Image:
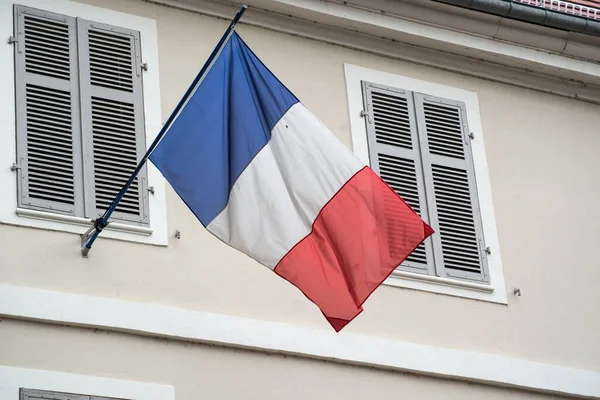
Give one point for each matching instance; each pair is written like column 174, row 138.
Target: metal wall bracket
column 84, row 239
column 98, row 227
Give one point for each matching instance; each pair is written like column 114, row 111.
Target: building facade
column 488, row 126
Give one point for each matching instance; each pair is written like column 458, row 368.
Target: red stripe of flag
column 361, row 235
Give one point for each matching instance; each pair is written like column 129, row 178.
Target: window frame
column 15, row 378
column 34, row 394
column 495, row 291
column 10, row 213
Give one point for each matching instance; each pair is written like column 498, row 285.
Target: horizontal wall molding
column 422, row 44
column 19, row 302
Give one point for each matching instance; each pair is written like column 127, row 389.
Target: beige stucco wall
column 208, row 372
column 542, row 155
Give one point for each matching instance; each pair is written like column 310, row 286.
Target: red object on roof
column 581, row 8
column 591, row 3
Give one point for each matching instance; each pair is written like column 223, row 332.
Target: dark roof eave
column 532, row 14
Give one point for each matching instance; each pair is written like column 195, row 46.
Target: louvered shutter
column 48, row 141
column 394, row 154
column 32, row 394
column 112, row 119
column 451, row 188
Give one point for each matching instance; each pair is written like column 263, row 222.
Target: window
column 31, row 394
column 79, row 116
column 426, row 140
column 420, row 145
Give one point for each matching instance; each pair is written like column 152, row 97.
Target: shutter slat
column 33, row 99
column 52, row 153
column 443, row 125
column 117, row 61
column 110, row 75
column 47, row 166
column 47, row 35
column 105, row 142
column 47, row 93
column 57, row 45
column 45, row 24
column 391, row 118
column 41, row 128
column 44, row 115
column 57, row 142
column 45, row 175
column 447, row 115
column 396, row 122
column 116, row 119
column 113, row 153
column 56, row 63
column 38, row 32
column 58, row 152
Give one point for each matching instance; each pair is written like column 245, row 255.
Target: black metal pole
column 100, row 223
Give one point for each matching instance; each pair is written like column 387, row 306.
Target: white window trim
column 495, row 292
column 156, row 233
column 12, row 379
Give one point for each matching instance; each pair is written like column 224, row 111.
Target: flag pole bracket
column 95, row 229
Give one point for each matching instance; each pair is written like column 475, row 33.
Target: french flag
column 265, row 176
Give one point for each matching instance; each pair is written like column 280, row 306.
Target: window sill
column 451, row 287
column 114, row 226
column 77, row 225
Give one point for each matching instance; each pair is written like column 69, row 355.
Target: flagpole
column 88, row 238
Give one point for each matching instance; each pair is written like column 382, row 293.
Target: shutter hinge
column 488, row 250
column 13, row 40
column 15, row 167
column 144, row 66
column 151, row 189
column 471, row 135
column 365, row 114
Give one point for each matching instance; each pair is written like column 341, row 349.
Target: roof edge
column 532, row 14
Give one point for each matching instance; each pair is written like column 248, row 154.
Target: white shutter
column 451, row 188
column 394, row 154
column 112, row 119
column 48, row 141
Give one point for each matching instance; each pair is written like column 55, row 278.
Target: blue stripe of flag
column 226, row 122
